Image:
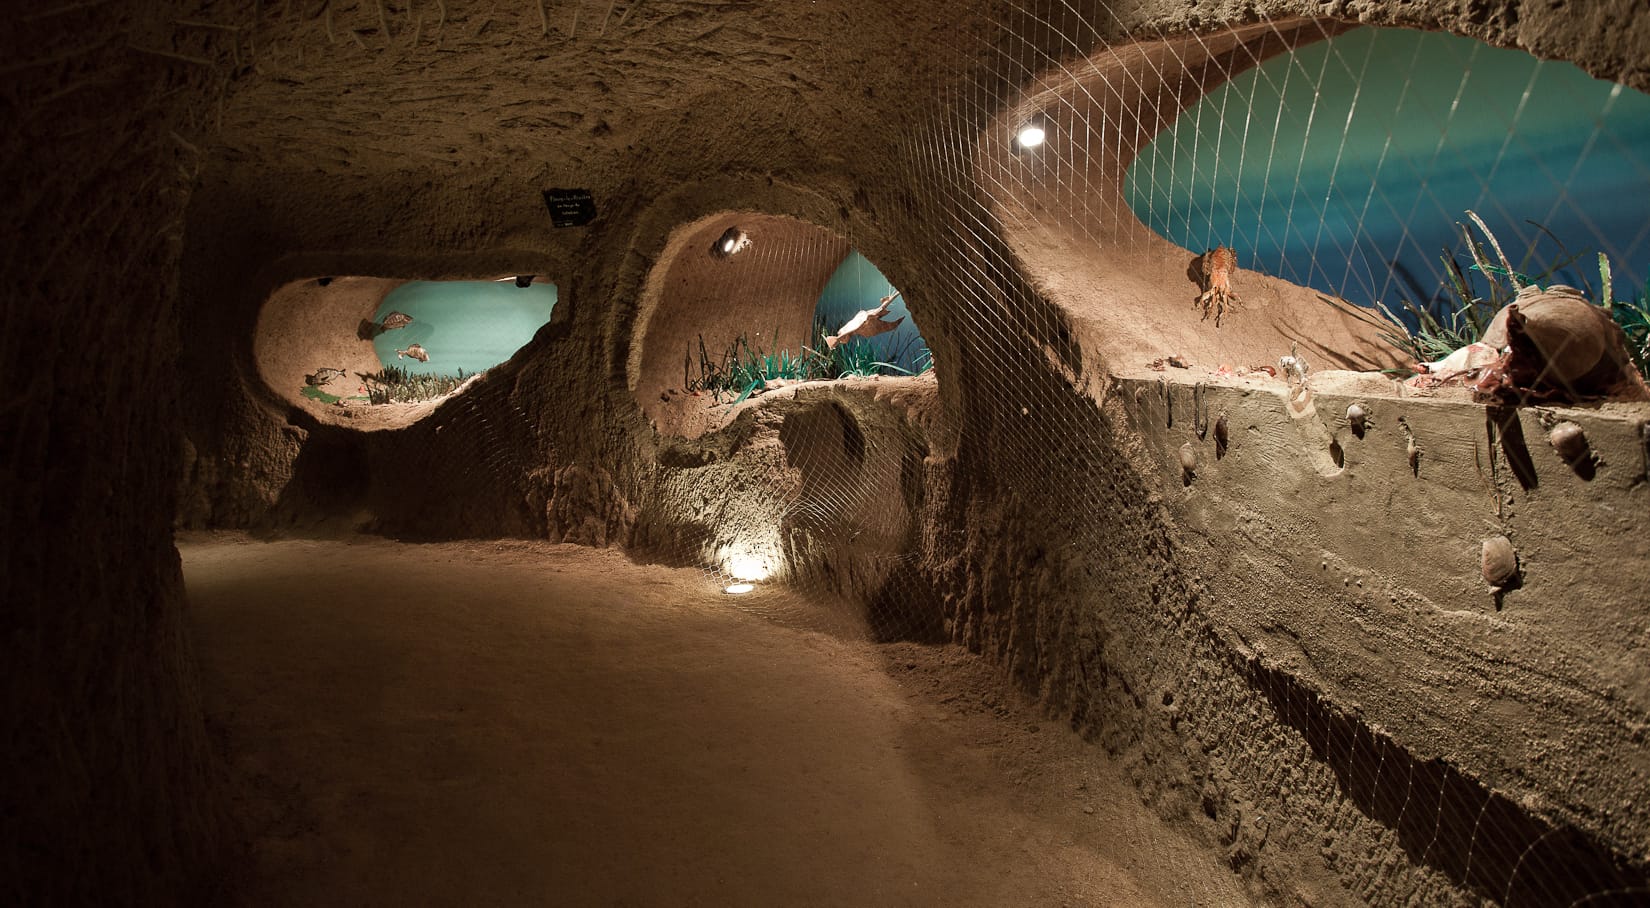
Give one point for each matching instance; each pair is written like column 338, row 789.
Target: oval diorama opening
column 382, row 352
column 747, row 305
column 1425, row 175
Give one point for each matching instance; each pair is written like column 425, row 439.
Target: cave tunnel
column 662, row 452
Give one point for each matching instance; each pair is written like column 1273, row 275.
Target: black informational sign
column 570, row 207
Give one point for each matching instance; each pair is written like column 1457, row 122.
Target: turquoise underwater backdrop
column 1346, row 166
column 857, row 284
column 468, row 325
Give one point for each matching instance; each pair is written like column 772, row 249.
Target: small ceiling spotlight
column 1030, row 135
column 739, row 589
column 524, row 280
column 731, row 241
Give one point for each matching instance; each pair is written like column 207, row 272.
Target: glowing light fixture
column 732, row 240
column 739, row 589
column 747, row 567
column 1030, row 136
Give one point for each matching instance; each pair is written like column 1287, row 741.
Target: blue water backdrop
column 1347, row 164
column 856, row 285
column 469, row 325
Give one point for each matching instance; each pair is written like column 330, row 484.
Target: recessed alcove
column 759, row 293
column 1361, row 159
column 377, row 353
column 1343, row 169
column 1127, row 290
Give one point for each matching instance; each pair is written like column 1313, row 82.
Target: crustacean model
column 867, row 323
column 1218, row 265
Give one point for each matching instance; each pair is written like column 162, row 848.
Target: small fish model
column 867, row 323
column 322, row 376
column 395, row 320
column 416, row 351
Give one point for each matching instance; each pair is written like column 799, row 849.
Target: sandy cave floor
column 511, row 723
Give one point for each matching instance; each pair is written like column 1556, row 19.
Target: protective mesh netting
column 1345, row 160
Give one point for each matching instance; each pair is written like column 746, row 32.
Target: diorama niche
column 1246, row 200
column 744, row 306
column 382, row 352
column 1390, row 169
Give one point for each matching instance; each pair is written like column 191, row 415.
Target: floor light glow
column 740, row 588
column 747, row 568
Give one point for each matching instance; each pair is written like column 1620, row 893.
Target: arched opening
column 375, row 353
column 1385, row 167
column 1229, row 199
column 1128, row 291
column 743, row 306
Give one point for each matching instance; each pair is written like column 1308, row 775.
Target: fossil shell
column 1188, row 458
column 1222, row 439
column 1500, row 562
column 1569, row 441
column 1358, row 419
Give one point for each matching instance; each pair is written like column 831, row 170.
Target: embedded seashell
column 1413, row 451
column 1569, row 441
column 1188, row 458
column 1222, row 439
column 1500, row 562
column 1357, row 419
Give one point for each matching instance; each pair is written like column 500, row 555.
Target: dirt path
column 525, row 724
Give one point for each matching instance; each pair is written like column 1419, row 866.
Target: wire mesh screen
column 1348, row 163
column 1424, row 174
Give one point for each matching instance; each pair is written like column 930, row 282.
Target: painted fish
column 867, row 323
column 322, row 376
column 395, row 320
column 416, row 351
